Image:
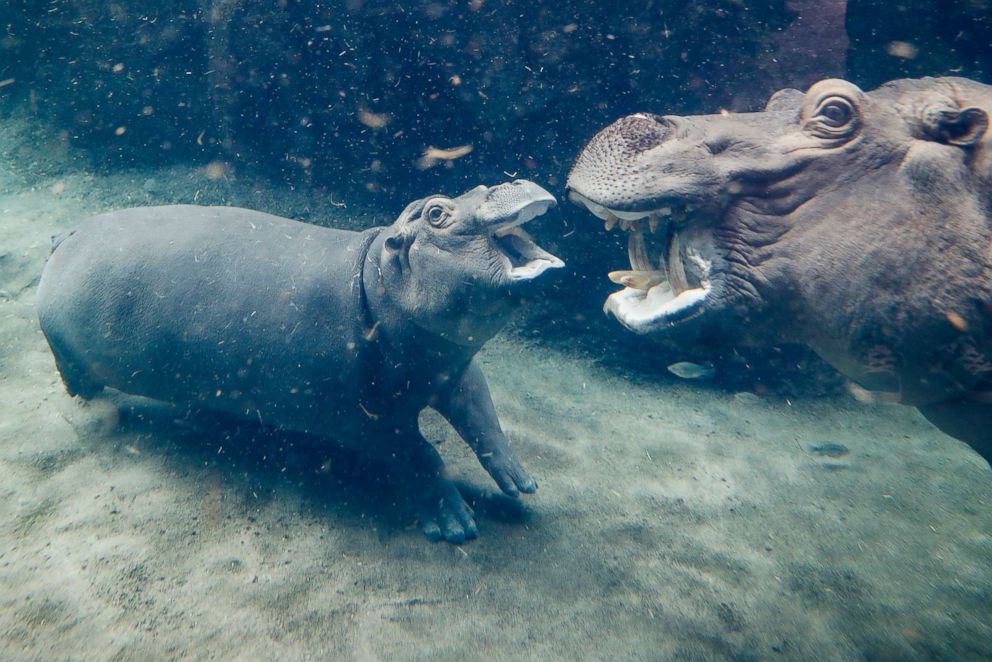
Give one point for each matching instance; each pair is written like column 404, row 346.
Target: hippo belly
column 231, row 309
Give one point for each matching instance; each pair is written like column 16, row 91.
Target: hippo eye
column 835, row 112
column 437, row 215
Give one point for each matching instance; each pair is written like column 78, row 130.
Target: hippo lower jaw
column 654, row 296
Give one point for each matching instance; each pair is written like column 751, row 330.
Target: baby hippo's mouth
column 657, row 293
column 518, row 203
column 526, row 259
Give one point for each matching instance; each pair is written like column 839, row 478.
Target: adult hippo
column 342, row 335
column 858, row 223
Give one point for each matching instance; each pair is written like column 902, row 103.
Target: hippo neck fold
column 365, row 319
column 390, row 322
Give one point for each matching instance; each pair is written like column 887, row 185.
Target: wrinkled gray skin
column 858, row 223
column 342, row 335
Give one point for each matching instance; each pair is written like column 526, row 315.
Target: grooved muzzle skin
column 605, row 160
column 604, row 165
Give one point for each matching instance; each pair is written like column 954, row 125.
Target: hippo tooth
column 637, row 252
column 676, row 270
column 665, row 211
column 624, row 224
column 653, row 222
column 611, row 222
column 638, row 280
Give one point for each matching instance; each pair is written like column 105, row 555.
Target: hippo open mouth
column 525, row 259
column 658, row 291
column 508, row 207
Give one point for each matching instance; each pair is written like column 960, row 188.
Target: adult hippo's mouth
column 667, row 288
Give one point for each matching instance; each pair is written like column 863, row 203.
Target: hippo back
column 234, row 309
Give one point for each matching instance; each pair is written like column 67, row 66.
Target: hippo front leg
column 441, row 509
column 469, row 408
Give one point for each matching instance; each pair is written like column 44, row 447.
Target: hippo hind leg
column 76, row 378
column 965, row 419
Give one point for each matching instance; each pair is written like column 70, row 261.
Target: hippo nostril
column 718, row 145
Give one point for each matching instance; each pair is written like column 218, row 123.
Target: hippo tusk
column 637, row 250
column 676, row 270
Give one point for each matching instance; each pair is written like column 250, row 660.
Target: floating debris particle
column 120, row 131
column 433, row 155
column 117, row 68
column 216, row 170
column 456, row 80
column 903, row 49
column 373, row 120
column 58, row 187
column 687, row 370
column 830, row 449
column 7, row 81
column 447, row 154
column 747, row 397
column 957, row 321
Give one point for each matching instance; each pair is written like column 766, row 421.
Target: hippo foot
column 508, row 473
column 444, row 514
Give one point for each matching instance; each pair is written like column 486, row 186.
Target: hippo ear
column 964, row 127
column 785, row 99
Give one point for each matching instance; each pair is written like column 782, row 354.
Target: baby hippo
column 342, row 335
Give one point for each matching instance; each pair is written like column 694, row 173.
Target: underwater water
column 730, row 464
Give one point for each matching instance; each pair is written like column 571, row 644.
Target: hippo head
column 848, row 220
column 456, row 266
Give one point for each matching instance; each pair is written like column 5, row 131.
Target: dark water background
column 345, row 97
